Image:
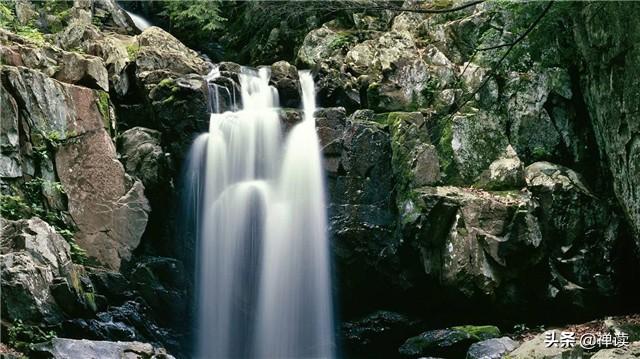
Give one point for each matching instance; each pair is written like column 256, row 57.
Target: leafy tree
column 195, row 22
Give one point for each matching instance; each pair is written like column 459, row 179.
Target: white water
column 138, row 21
column 263, row 262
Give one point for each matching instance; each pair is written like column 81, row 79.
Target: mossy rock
column 451, row 343
column 481, row 332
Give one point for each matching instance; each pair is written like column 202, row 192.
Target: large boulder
column 580, row 230
column 284, row 77
column 53, row 109
column 487, row 237
column 495, row 348
column 451, row 342
column 63, row 348
column 628, row 352
column 537, row 347
column 415, row 160
column 376, row 335
column 160, row 54
column 32, row 255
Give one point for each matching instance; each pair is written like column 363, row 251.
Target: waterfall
column 258, row 206
column 138, row 21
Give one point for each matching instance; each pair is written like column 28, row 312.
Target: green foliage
column 78, row 255
column 14, row 207
column 194, row 15
column 268, row 31
column 196, row 23
column 22, row 337
column 343, row 38
column 7, row 17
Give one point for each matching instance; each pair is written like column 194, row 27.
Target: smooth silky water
column 256, row 201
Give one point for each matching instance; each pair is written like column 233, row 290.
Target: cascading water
column 138, row 21
column 257, row 201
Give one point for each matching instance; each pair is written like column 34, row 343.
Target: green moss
column 132, row 51
column 482, row 332
column 90, row 299
column 103, row 106
column 166, row 83
column 381, row 118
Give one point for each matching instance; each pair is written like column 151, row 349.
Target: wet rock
column 361, row 213
column 330, row 123
column 162, row 283
column 537, row 348
column 452, row 342
column 142, row 156
column 62, row 348
column 377, row 335
column 130, row 321
column 494, row 348
column 284, row 77
column 111, row 284
column 586, row 230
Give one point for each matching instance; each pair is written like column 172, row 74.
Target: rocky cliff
column 471, row 173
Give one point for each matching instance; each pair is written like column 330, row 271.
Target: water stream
column 258, row 205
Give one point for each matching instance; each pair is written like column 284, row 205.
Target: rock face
column 611, row 97
column 142, row 155
column 64, row 66
column 33, row 254
column 96, row 184
column 60, row 348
